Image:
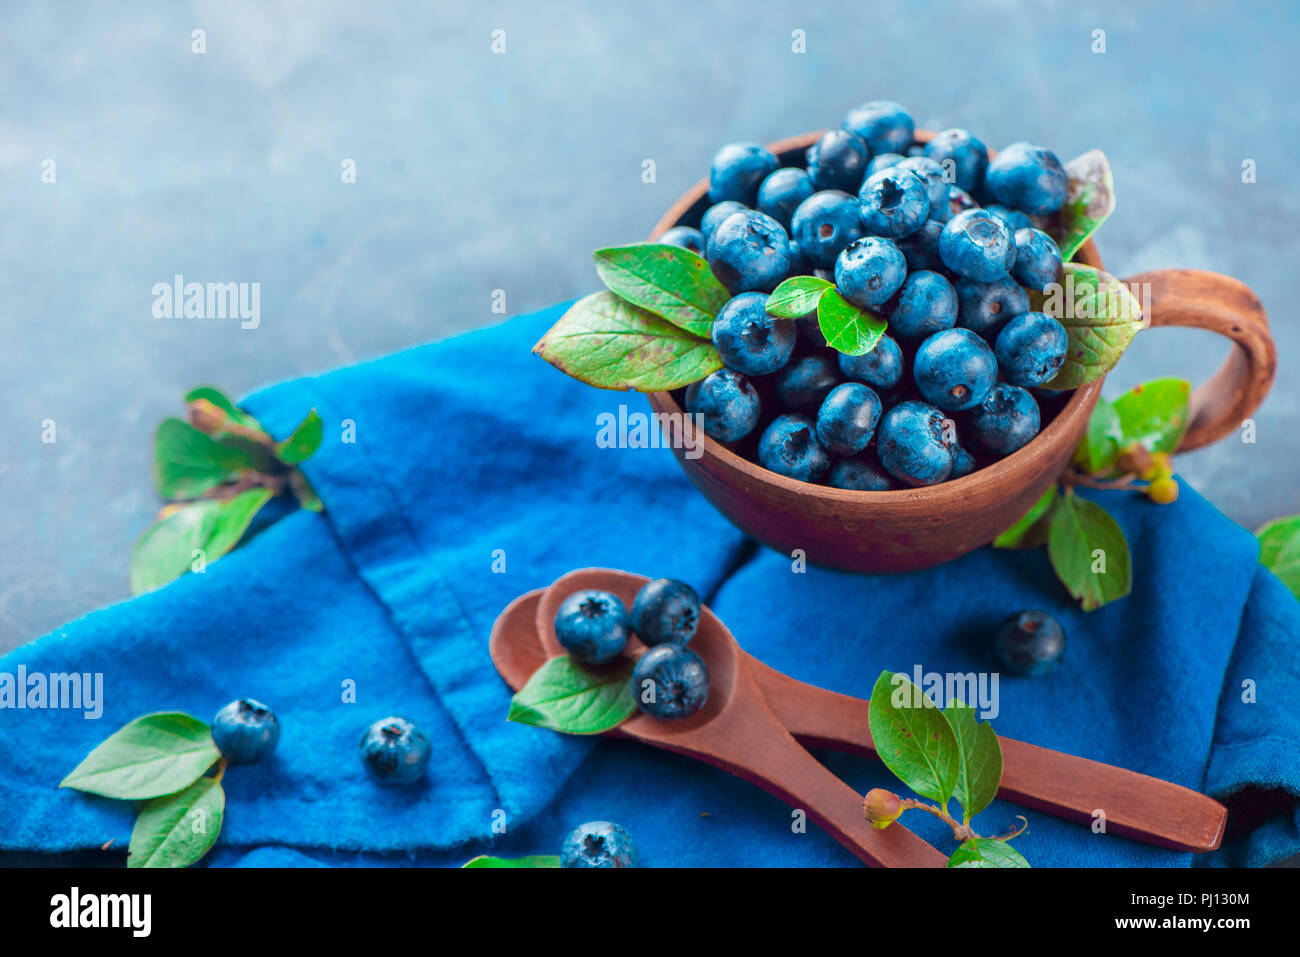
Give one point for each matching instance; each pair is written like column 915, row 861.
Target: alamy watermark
column 977, row 690
column 179, row 299
column 651, row 430
column 76, row 691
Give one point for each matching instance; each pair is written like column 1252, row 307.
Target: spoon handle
column 1136, row 806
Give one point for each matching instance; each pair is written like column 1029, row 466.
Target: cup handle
column 1197, row 299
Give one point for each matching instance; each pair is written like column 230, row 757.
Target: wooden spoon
column 1135, row 805
column 735, row 731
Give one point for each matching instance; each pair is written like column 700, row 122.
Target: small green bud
column 882, row 807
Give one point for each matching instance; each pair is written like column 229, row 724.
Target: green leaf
column 913, row 738
column 537, row 860
column 1089, row 199
column 986, row 852
column 1154, row 413
column 1031, row 530
column 1279, row 550
column 155, row 754
column 669, row 281
column 607, row 342
column 980, row 770
column 234, row 515
column 178, row 829
column 1084, row 537
column 797, row 296
column 564, row 695
column 304, row 441
column 847, row 328
column 224, row 403
column 1100, row 315
column 188, row 463
column 165, row 551
column 1101, row 444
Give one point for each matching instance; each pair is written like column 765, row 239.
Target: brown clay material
column 919, row 528
column 1136, row 805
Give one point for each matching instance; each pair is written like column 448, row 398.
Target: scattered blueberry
column 838, row 161
column 969, row 158
column 738, row 169
column 245, row 731
column 592, row 626
column 869, row 271
column 882, row 161
column 824, row 224
column 927, row 304
column 395, row 751
column 859, row 474
column 913, row 444
column 666, row 610
column 1005, row 421
column 749, row 251
column 894, row 202
column 789, row 447
column 715, row 214
column 801, row 385
column 847, row 418
column 954, row 369
column 883, row 124
column 1038, row 260
column 782, row 192
column 1031, row 349
column 1030, row 643
column 985, row 307
column 882, row 367
column 670, row 682
column 977, row 245
column 749, row 339
column 1028, row 178
column 686, row 237
column 598, row 844
column 728, row 402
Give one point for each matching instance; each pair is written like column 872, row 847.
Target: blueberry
column 958, row 202
column 1030, row 643
column 789, row 447
column 894, row 203
column 932, row 173
column 963, row 157
column 395, row 751
column 977, row 245
column 847, row 418
column 728, row 402
column 869, row 271
column 598, row 844
column 963, row 463
column 954, row 369
column 824, row 224
column 882, row 367
column 592, row 626
column 782, row 192
column 859, row 474
column 801, row 385
column 670, row 682
column 1005, row 421
column 715, row 214
column 838, row 161
column 737, row 171
column 883, row 124
column 1014, row 218
column 882, row 161
column 921, row 249
column 749, row 251
column 1038, row 260
column 1031, row 349
column 749, row 339
column 1029, row 178
column 985, row 307
column 245, row 731
column 666, row 610
column 810, row 330
column 913, row 444
column 927, row 304
column 686, row 237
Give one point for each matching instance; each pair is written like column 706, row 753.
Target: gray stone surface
column 478, row 171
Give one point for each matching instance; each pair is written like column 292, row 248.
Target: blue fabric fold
column 457, row 476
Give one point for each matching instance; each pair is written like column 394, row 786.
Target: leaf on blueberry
column 1030, row 531
column 304, row 441
column 986, row 852
column 1101, row 316
column 669, row 281
column 847, row 328
column 537, row 860
column 607, row 342
column 153, row 755
column 1089, row 552
column 178, row 829
column 564, row 695
column 1279, row 550
column 1089, row 199
column 1154, row 414
column 980, row 769
column 797, row 296
column 913, row 737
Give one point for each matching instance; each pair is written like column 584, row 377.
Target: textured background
column 479, row 172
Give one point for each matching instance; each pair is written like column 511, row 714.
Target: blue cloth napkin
column 445, row 462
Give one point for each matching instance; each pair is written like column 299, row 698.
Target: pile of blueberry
column 669, row 681
column 898, row 227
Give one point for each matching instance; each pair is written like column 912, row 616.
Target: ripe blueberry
column 592, row 626
column 894, row 202
column 782, row 192
column 824, row 224
column 882, row 367
column 837, row 161
column 1038, row 260
column 859, row 474
column 977, row 245
column 598, row 844
column 1029, row 178
column 883, row 161
column 728, row 402
column 670, row 682
column 801, row 385
column 1006, row 420
column 985, row 307
column 789, row 447
column 869, row 271
column 395, row 751
column 847, row 418
column 963, row 463
column 1014, row 218
column 927, row 304
column 1031, row 349
column 1030, row 643
column 932, row 174
column 749, row 339
column 666, row 610
column 715, row 214
column 738, row 169
column 969, row 157
column 749, row 250
column 954, row 369
column 686, row 237
column 883, row 124
column 245, row 731
column 913, row 444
